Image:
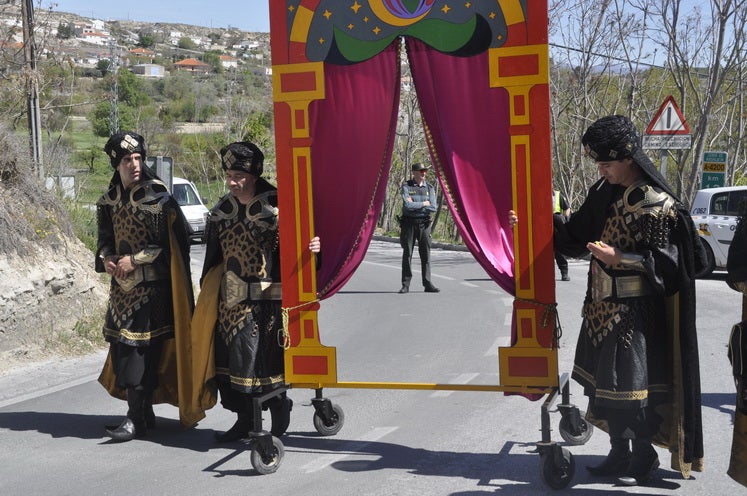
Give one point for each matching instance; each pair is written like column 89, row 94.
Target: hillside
column 51, row 300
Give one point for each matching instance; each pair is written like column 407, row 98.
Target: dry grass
column 29, row 215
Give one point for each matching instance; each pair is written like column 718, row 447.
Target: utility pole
column 32, row 86
column 114, row 96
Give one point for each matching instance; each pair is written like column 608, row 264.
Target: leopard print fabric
column 630, row 227
column 248, row 240
column 602, row 318
column 139, row 220
column 622, row 229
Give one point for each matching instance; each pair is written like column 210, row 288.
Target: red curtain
column 467, row 130
column 353, row 136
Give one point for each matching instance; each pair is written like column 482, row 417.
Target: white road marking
column 499, row 343
column 349, row 448
column 49, row 390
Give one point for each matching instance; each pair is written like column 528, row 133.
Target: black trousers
column 562, row 262
column 136, row 367
column 412, row 231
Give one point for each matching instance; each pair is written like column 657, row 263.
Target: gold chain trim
column 283, row 334
column 551, row 312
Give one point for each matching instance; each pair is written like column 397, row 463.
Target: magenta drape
column 352, row 140
column 467, row 129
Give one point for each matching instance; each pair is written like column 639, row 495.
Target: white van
column 715, row 212
column 192, row 205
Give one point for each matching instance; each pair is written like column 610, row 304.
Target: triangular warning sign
column 668, row 120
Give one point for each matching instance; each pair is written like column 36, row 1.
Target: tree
column 103, row 65
column 186, row 43
column 65, row 31
column 145, row 40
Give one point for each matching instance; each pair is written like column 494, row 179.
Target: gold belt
column 235, row 290
column 604, row 285
column 142, row 273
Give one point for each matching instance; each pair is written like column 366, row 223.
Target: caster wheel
column 557, row 467
column 585, row 430
column 267, row 462
column 333, row 424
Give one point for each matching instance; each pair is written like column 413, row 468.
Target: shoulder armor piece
column 263, row 206
column 149, row 192
column 653, row 210
column 111, row 197
column 226, row 208
column 642, row 198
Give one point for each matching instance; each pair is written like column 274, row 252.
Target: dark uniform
column 637, row 353
column 559, row 207
column 736, row 266
column 243, row 251
column 142, row 222
column 415, row 226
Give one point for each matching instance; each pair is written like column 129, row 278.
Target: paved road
column 397, row 442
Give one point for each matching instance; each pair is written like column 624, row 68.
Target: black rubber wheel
column 270, row 462
column 333, row 425
column 582, row 437
column 710, row 259
column 555, row 475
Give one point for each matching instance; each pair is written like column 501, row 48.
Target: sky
column 247, row 15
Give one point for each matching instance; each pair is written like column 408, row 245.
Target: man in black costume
column 637, row 352
column 242, row 259
column 143, row 243
column 736, row 266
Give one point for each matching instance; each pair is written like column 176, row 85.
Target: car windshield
column 185, row 195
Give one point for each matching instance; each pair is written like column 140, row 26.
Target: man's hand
column 513, row 219
column 315, row 245
column 124, row 267
column 609, row 255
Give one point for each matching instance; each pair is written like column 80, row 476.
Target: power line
column 610, row 57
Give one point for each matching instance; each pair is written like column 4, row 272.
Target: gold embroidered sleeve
column 147, row 255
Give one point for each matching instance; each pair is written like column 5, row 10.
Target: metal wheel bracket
column 263, row 444
column 573, row 416
column 323, row 408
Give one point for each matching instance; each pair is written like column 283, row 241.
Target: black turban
column 615, row 137
column 123, row 144
column 243, row 156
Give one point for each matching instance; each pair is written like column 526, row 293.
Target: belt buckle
column 235, row 289
column 629, row 286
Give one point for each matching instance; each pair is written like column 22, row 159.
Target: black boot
column 643, row 464
column 280, row 413
column 617, row 460
column 240, row 430
column 134, row 424
column 148, row 413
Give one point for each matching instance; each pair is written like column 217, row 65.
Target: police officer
column 419, row 202
column 562, row 210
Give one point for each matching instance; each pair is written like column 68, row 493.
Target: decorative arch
column 480, row 70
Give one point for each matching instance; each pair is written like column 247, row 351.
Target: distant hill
column 47, row 21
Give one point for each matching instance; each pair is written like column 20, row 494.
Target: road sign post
column 668, row 130
column 714, row 170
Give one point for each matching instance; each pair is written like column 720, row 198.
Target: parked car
column 192, row 205
column 715, row 212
